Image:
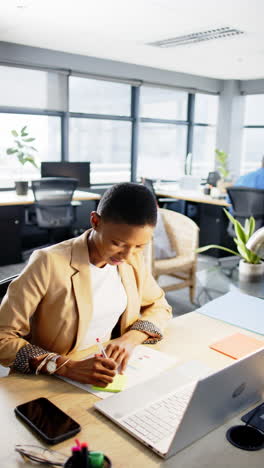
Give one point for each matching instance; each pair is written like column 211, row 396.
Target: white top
column 109, row 301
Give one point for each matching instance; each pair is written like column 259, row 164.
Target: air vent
column 194, row 38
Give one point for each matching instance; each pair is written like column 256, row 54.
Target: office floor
column 179, row 300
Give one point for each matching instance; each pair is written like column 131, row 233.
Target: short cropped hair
column 128, row 203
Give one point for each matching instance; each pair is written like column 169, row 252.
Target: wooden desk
column 190, row 195
column 188, row 338
column 210, row 216
column 11, row 198
column 12, row 220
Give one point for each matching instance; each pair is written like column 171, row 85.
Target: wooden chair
column 183, row 234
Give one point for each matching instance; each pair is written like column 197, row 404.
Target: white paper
column 143, row 364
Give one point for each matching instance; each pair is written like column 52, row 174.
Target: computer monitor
column 77, row 170
column 213, row 178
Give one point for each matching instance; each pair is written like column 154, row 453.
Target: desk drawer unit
column 213, row 225
column 11, row 220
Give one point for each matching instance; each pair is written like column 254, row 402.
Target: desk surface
column 173, row 191
column 11, row 198
column 188, row 338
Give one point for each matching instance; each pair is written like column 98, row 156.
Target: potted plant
column 222, row 159
column 25, row 152
column 250, row 264
column 222, row 166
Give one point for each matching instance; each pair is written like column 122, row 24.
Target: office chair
column 53, row 203
column 246, row 202
column 4, row 283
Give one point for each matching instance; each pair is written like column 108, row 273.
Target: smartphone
column 47, row 420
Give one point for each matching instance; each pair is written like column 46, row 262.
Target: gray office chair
column 246, row 202
column 53, row 203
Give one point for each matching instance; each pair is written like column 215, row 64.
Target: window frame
column 258, row 127
column 134, row 118
column 40, row 112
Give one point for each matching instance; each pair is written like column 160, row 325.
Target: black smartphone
column 47, row 420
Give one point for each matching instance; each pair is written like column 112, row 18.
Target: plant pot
column 250, row 271
column 21, row 187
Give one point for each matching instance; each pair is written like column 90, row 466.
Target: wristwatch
column 51, row 365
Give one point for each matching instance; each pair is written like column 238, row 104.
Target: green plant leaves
column 11, row 150
column 21, row 147
column 31, row 160
column 29, row 139
column 242, row 236
column 252, row 225
column 214, row 246
column 222, row 159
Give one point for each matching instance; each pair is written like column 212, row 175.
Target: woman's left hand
column 121, row 348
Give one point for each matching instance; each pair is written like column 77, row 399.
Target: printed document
column 143, row 364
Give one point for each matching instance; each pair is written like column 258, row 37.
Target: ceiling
column 121, row 29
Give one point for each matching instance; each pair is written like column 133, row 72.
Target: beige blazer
column 50, row 303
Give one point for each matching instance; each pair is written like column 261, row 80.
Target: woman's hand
column 121, row 348
column 97, row 371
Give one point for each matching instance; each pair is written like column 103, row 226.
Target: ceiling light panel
column 194, row 38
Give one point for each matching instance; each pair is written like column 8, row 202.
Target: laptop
column 170, row 411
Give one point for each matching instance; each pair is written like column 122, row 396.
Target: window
column 103, row 117
column 25, row 88
column 45, row 129
column 203, row 154
column 162, row 133
column 99, row 97
column 254, row 105
column 253, row 149
column 106, row 143
column 162, row 151
column 36, row 99
column 206, row 109
column 253, row 138
column 204, row 134
column 163, row 103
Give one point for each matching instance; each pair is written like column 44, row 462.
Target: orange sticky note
column 237, row 346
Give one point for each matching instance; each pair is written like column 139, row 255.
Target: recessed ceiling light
column 193, row 38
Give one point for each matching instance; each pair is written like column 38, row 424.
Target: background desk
column 188, row 338
column 12, row 221
column 195, row 196
column 210, row 216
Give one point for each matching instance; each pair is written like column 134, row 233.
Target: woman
column 92, row 286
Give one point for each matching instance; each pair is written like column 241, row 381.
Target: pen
column 101, row 349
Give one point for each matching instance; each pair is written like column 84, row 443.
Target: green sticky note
column 117, row 385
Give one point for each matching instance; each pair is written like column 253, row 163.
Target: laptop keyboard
column 161, row 418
